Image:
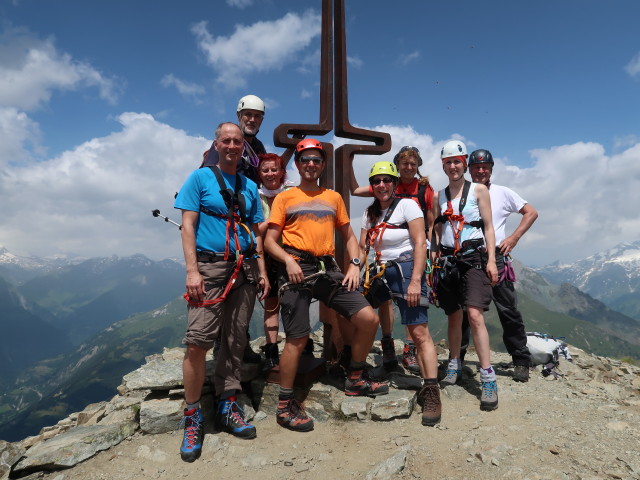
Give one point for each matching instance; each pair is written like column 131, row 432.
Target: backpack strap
column 449, row 216
column 374, row 234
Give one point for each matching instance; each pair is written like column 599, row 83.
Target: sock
column 356, row 369
column 426, row 381
column 193, row 406
column 488, row 374
column 285, row 393
column 228, row 395
column 454, row 364
column 386, row 336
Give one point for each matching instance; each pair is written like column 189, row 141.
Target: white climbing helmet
column 250, row 102
column 453, row 148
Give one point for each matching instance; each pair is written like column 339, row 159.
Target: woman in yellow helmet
column 394, row 229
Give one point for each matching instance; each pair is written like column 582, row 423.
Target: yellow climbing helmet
column 384, row 168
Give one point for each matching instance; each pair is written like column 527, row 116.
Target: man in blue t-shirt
column 222, row 249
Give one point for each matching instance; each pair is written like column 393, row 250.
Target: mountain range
column 612, row 276
column 90, row 322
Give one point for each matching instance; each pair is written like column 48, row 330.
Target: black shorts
column 473, row 289
column 295, row 301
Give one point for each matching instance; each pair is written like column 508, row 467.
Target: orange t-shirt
column 309, row 219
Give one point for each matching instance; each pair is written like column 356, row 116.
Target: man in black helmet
column 504, row 202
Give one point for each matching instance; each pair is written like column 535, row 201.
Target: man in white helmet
column 250, row 113
column 464, row 247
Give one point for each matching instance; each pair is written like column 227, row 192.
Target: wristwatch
column 355, row 261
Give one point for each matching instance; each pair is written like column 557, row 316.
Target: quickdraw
column 507, row 272
column 432, row 281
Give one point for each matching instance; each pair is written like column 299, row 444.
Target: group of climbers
column 247, row 233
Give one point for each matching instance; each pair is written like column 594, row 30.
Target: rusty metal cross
column 337, row 173
column 339, row 163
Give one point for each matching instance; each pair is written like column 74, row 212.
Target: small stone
column 555, row 450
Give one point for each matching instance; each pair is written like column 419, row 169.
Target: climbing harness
column 451, row 217
column 235, row 215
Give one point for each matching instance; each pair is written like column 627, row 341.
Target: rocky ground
column 584, row 425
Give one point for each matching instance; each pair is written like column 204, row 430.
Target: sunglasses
column 385, row 180
column 315, row 160
column 409, row 147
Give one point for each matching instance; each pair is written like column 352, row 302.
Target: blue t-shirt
column 201, row 188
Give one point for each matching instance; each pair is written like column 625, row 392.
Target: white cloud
column 407, row 58
column 32, row 69
column 190, row 90
column 355, row 62
column 581, row 194
column 305, row 93
column 240, row 3
column 97, row 198
column 633, row 67
column 260, row 47
column 19, row 137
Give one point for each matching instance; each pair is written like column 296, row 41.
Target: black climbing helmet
column 480, row 156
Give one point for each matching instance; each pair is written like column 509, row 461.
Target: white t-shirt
column 396, row 240
column 504, row 202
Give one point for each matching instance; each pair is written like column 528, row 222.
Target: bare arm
column 416, row 231
column 194, row 281
column 436, row 229
column 356, row 189
column 263, row 283
column 352, row 275
column 529, row 215
column 484, row 205
column 363, row 247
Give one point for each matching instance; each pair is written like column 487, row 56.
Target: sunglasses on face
column 385, row 180
column 315, row 160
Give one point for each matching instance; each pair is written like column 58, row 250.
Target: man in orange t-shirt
column 306, row 217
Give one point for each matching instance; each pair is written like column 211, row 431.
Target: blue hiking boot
column 230, row 418
column 193, row 433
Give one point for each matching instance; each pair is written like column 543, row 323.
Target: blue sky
column 105, row 107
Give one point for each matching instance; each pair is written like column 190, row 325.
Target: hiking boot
column 452, row 376
column 230, row 418
column 363, row 386
column 193, row 433
column 489, row 398
column 290, row 414
column 249, row 356
column 431, row 405
column 271, row 356
column 521, row 373
column 389, row 359
column 409, row 359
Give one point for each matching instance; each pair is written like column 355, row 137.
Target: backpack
column 545, row 350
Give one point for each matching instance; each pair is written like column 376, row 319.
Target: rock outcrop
column 150, row 402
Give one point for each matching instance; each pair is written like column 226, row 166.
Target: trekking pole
column 156, row 213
